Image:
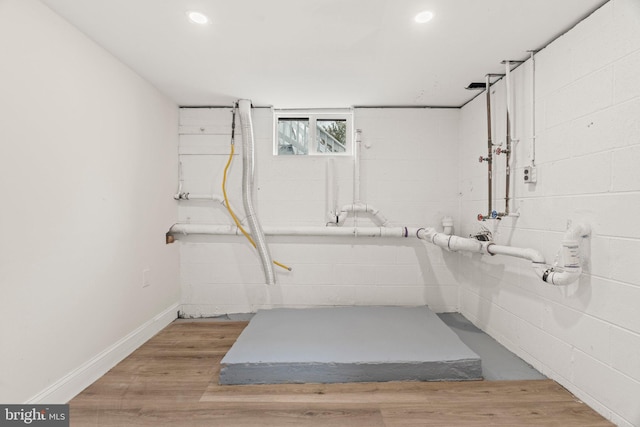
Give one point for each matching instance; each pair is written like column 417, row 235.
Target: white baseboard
column 67, row 387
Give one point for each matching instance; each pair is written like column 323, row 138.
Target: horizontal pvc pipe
column 524, row 253
column 187, row 229
column 192, row 196
column 451, row 242
column 569, row 271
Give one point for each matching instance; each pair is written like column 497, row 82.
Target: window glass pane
column 331, row 136
column 293, row 136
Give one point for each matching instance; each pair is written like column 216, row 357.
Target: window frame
column 314, row 115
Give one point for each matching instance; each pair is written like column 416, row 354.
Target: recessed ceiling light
column 197, row 17
column 423, row 17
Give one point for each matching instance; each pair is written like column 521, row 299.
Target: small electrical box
column 529, row 175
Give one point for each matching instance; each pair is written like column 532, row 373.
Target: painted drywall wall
column 409, row 165
column 88, row 166
column 587, row 103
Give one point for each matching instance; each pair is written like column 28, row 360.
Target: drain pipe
column 248, row 165
column 568, row 272
column 209, row 229
column 377, row 217
column 571, row 266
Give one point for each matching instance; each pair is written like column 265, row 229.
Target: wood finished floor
column 172, row 380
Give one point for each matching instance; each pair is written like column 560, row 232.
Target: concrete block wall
column 409, row 165
column 587, row 104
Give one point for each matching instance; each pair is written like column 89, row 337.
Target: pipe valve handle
column 494, row 214
column 480, row 217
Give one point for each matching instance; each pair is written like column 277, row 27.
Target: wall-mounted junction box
column 529, row 175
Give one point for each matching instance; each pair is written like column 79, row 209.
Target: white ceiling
column 321, row 53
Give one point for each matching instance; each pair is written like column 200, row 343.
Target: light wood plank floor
column 172, row 380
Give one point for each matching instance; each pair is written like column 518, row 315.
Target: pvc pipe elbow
column 447, row 225
column 426, row 234
column 576, row 231
column 557, row 278
column 566, row 277
column 342, row 216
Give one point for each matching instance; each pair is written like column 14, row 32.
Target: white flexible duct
column 248, row 158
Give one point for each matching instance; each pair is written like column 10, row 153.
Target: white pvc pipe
column 332, row 190
column 377, row 217
column 447, row 225
column 248, row 162
column 524, row 253
column 187, row 229
column 192, row 196
column 451, row 242
column 532, row 154
column 568, row 272
column 356, row 166
column 507, row 79
column 571, row 267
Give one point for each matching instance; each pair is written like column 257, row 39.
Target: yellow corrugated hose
column 233, row 215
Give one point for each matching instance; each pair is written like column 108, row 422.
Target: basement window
column 312, row 132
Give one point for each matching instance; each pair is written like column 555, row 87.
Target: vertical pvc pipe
column 356, row 166
column 533, row 109
column 248, row 166
column 332, row 192
column 356, row 173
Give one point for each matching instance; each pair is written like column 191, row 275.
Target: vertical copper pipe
column 489, row 158
column 507, row 167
